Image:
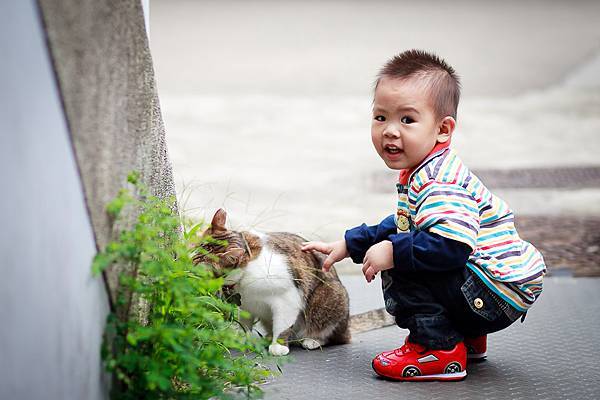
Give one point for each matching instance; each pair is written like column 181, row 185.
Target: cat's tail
column 370, row 320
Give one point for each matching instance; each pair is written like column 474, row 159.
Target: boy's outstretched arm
column 336, row 251
column 355, row 244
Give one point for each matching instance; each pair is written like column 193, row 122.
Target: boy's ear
column 446, row 129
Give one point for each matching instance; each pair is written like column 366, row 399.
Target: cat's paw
column 310, row 344
column 277, row 349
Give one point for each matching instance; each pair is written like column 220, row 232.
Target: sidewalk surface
column 552, row 355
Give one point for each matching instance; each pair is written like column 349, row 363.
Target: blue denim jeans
column 442, row 309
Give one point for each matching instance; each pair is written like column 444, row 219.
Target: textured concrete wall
column 104, row 68
column 52, row 311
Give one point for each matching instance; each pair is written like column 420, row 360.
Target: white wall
column 52, row 311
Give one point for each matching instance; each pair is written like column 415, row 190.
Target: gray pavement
column 363, row 296
column 552, row 355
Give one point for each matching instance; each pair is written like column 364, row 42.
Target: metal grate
column 524, row 178
column 571, row 243
column 560, row 177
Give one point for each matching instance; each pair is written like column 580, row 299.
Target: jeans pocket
column 479, row 299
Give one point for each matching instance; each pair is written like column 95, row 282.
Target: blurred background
column 267, row 109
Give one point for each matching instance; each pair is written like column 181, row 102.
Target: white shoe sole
column 440, row 377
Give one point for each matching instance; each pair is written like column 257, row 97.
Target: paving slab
column 552, row 355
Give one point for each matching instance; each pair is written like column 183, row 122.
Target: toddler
column 452, row 264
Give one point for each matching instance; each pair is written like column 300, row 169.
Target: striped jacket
column 442, row 196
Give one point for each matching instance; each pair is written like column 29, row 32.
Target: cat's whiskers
column 246, row 245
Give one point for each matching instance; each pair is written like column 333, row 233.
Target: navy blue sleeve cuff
column 422, row 251
column 361, row 238
column 357, row 241
column 403, row 251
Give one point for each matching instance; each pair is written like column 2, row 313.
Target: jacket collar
column 406, row 174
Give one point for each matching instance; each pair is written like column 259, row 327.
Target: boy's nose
column 391, row 131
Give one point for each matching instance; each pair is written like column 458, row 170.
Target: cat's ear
column 218, row 221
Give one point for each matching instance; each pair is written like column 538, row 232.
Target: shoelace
column 402, row 350
column 409, row 347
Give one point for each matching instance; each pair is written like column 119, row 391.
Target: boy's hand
column 378, row 258
column 336, row 251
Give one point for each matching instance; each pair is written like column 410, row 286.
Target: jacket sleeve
column 426, row 252
column 361, row 238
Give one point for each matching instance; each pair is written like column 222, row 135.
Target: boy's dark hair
column 439, row 77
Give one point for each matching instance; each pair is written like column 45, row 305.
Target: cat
column 280, row 285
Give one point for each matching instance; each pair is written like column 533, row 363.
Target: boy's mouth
column 392, row 149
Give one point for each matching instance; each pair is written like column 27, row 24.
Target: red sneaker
column 476, row 347
column 413, row 362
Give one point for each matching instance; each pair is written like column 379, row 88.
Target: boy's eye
column 407, row 120
column 379, row 118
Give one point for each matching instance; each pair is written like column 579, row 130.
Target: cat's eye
column 379, row 118
column 407, row 120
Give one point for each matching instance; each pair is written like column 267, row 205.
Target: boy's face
column 404, row 128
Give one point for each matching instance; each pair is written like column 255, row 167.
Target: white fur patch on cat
column 268, row 292
column 310, row 344
column 277, row 349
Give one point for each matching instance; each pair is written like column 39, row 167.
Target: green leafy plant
column 185, row 342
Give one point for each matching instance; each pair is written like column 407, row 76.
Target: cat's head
column 232, row 252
